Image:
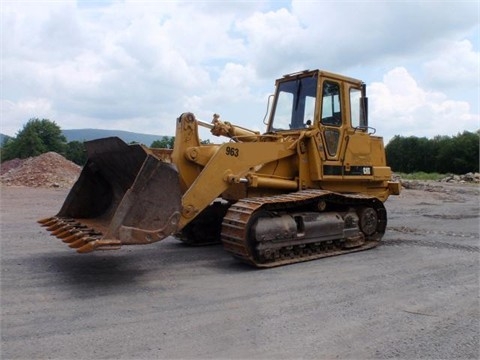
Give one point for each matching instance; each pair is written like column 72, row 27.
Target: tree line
column 39, row 136
column 442, row 154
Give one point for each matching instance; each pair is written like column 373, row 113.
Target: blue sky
column 137, row 65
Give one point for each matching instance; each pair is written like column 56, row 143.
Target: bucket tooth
column 99, row 245
column 62, row 229
column 88, row 247
column 73, row 237
column 79, row 242
column 50, row 222
column 55, row 226
column 45, row 220
column 61, row 224
column 66, row 233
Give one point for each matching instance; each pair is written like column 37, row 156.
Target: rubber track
column 235, row 223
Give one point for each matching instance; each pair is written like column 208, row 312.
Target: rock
column 461, row 179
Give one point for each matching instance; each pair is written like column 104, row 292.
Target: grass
column 422, row 176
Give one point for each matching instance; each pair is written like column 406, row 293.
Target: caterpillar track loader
column 312, row 185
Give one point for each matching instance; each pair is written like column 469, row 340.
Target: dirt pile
column 46, row 170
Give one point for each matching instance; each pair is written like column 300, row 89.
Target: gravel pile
column 467, row 178
column 46, row 170
column 9, row 165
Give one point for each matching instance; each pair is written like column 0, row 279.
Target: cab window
column 295, row 104
column 355, row 111
column 331, row 109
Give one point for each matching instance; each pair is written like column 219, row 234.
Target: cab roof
column 320, row 73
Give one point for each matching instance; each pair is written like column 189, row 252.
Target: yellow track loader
column 313, row 185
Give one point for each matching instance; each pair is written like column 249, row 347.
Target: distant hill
column 4, row 137
column 92, row 134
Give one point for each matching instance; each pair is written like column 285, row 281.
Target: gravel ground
column 414, row 297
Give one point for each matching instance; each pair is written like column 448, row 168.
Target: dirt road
column 416, row 296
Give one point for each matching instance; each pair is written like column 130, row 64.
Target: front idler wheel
column 368, row 220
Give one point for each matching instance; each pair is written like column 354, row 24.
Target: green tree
column 459, row 154
column 393, row 152
column 36, row 137
column 410, row 153
column 405, row 153
column 76, row 152
column 468, row 144
column 166, row 142
column 442, row 154
column 30, row 143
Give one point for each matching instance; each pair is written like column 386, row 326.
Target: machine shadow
column 100, row 273
column 89, row 276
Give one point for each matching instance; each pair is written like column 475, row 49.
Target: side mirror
column 269, row 101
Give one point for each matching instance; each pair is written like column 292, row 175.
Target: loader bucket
column 124, row 195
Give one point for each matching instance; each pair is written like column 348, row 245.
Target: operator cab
column 295, row 105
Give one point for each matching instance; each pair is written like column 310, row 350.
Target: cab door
column 331, row 118
column 357, row 153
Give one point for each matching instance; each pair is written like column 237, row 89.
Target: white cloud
column 399, row 106
column 20, row 112
column 276, row 40
column 456, row 66
column 339, row 35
